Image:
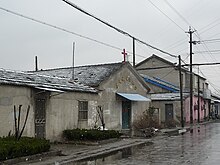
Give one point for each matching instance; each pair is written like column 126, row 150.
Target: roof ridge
column 32, row 73
column 69, row 67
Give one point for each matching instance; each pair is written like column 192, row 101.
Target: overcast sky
column 161, row 23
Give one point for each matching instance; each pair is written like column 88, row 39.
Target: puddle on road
column 109, row 158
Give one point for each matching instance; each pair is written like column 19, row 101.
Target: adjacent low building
column 53, row 103
column 162, row 77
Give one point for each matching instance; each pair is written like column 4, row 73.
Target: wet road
column 201, row 147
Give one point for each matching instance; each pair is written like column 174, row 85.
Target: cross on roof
column 125, row 55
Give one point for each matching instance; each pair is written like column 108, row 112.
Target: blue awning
column 133, row 97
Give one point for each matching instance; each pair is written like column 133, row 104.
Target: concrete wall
column 62, row 113
column 168, row 74
column 10, row 96
column 186, row 109
column 156, row 89
column 161, row 106
column 123, row 81
column 203, row 112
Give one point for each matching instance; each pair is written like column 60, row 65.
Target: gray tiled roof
column 91, row 75
column 41, row 81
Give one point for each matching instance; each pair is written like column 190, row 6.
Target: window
column 83, row 110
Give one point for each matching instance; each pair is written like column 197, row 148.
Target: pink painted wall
column 203, row 112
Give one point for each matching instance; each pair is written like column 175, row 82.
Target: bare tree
column 101, row 115
column 17, row 122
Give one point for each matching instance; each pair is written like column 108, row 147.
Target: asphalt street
column 201, row 146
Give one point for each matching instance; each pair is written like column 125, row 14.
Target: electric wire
column 206, row 47
column 211, row 40
column 68, row 31
column 115, row 28
column 171, row 6
column 176, row 43
column 60, row 28
column 217, row 90
column 208, row 51
column 166, row 15
column 167, row 73
column 207, row 29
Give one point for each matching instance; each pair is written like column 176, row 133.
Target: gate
column 40, row 117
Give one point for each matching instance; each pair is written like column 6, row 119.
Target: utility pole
column 133, row 52
column 36, row 64
column 191, row 76
column 181, row 92
column 198, row 99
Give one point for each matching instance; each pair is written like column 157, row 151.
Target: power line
column 206, row 47
column 115, row 28
column 211, row 40
column 171, row 6
column 200, row 64
column 166, row 15
column 210, row 82
column 176, row 44
column 179, row 42
column 208, row 51
column 60, row 28
column 175, row 66
column 203, row 31
column 67, row 31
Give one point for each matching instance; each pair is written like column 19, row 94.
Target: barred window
column 83, row 110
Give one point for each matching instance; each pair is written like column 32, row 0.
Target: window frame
column 83, row 108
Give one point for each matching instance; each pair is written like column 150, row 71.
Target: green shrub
column 91, row 134
column 12, row 148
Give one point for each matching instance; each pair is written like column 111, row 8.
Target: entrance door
column 126, row 114
column 40, row 117
column 168, row 112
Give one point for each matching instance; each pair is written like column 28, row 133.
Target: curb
column 91, row 143
column 176, row 131
column 99, row 152
column 30, row 157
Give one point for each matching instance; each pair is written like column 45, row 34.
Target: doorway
column 168, row 112
column 126, row 114
column 40, row 115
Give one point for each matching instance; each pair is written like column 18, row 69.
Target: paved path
column 73, row 152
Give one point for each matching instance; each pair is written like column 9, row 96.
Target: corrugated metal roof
column 160, row 83
column 133, row 96
column 36, row 80
column 167, row 96
column 91, row 75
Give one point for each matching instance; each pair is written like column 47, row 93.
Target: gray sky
column 21, row 39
